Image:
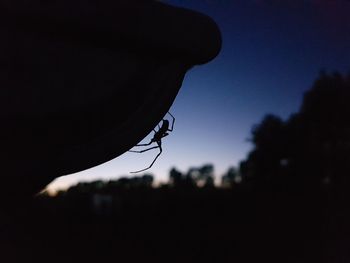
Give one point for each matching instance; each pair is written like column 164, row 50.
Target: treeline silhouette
column 286, row 202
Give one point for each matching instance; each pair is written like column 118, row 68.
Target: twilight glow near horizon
column 272, row 52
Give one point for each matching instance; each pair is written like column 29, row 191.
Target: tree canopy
column 312, row 147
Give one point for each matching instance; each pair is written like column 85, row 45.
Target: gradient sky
column 272, row 52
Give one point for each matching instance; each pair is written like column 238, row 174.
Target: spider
column 157, row 138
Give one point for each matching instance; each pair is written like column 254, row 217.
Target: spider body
column 163, row 131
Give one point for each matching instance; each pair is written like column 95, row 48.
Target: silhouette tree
column 312, row 147
column 175, row 177
column 231, row 177
column 202, row 176
column 147, row 180
column 265, row 162
column 178, row 179
column 322, row 131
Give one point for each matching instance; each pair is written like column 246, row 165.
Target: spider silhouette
column 163, row 130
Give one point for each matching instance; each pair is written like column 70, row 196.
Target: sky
column 272, row 52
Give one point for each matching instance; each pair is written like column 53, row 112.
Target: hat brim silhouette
column 82, row 82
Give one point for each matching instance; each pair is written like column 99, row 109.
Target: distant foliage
column 195, row 177
column 312, row 147
column 231, row 178
column 137, row 182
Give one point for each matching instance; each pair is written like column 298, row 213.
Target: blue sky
column 272, row 52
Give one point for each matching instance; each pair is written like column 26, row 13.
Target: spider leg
column 144, row 144
column 172, row 123
column 160, row 151
column 142, row 151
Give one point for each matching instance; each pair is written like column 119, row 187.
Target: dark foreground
column 180, row 225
